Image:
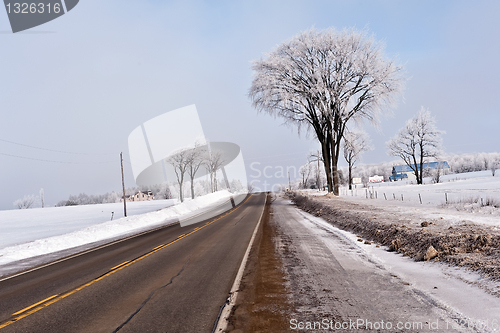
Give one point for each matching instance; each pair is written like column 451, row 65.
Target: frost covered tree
column 195, row 159
column 213, row 161
column 305, row 172
column 180, row 162
column 321, row 80
column 162, row 191
column 26, row 202
column 355, row 143
column 417, row 142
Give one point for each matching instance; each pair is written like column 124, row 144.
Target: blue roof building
column 403, row 171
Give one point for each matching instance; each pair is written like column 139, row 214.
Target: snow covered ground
column 38, row 232
column 458, row 187
column 24, row 225
column 403, row 197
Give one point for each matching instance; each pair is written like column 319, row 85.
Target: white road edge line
column 223, row 320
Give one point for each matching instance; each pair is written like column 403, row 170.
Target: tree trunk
column 417, row 173
column 421, row 164
column 335, row 148
column 326, row 162
column 350, row 175
column 181, row 197
column 335, row 175
column 192, row 188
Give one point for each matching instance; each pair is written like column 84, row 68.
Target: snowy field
column 459, row 189
column 49, row 237
column 24, row 225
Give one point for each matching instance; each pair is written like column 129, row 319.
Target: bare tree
column 418, row 141
column 493, row 167
column 180, row 162
column 320, row 80
column 195, row 159
column 26, row 202
column 436, row 175
column 213, row 161
column 355, row 143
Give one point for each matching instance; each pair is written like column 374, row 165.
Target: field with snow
column 24, row 225
column 33, row 233
column 463, row 191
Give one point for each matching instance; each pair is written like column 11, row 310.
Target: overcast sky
column 84, row 81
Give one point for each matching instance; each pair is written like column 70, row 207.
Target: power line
column 52, row 161
column 47, row 149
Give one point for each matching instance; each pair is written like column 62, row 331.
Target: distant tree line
column 160, row 192
column 459, row 163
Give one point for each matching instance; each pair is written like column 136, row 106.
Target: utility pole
column 123, row 186
column 289, row 186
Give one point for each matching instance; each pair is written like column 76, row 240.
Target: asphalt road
column 171, row 280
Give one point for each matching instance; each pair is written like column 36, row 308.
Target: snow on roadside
column 19, row 226
column 453, row 288
column 109, row 230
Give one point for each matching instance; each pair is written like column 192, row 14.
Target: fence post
column 385, row 196
column 420, row 198
column 446, row 197
column 402, row 197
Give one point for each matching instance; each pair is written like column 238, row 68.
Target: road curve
column 171, row 280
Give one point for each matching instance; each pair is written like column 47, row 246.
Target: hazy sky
column 84, row 81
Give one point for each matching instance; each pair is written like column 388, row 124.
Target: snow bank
column 25, row 225
column 108, row 231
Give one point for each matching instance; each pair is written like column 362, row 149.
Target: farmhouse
column 140, row 196
column 405, row 172
column 376, row 179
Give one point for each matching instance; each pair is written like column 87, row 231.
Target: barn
column 400, row 172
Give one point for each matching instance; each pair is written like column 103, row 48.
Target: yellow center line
column 31, row 306
column 119, row 265
column 53, row 299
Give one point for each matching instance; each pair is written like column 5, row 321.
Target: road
column 171, row 280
